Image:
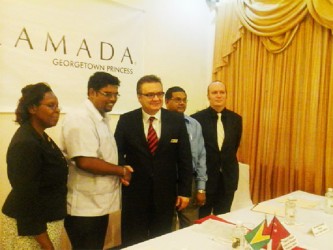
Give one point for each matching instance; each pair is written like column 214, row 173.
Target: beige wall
column 179, row 39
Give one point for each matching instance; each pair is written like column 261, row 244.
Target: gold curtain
column 322, row 12
column 283, row 90
column 276, row 21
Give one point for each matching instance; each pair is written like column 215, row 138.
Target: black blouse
column 37, row 171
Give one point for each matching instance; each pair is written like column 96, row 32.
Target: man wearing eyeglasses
column 154, row 141
column 176, row 100
column 94, row 174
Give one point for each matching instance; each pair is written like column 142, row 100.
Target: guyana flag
column 257, row 238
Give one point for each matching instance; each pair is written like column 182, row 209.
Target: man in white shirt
column 94, row 177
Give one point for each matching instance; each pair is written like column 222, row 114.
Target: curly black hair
column 32, row 94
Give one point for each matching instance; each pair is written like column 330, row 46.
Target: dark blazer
column 37, row 171
column 226, row 158
column 171, row 164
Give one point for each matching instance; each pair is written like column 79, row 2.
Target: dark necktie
column 152, row 136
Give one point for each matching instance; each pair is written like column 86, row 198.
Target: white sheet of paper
column 269, row 209
column 320, row 229
column 302, row 203
column 289, row 242
column 216, row 230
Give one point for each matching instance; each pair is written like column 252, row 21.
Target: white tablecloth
column 210, row 236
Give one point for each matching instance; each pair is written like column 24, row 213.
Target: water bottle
column 290, row 211
column 329, row 201
column 238, row 240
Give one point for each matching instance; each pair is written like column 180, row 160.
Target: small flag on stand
column 277, row 233
column 269, row 237
column 257, row 237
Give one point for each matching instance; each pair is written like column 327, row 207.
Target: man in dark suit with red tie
column 159, row 152
column 221, row 160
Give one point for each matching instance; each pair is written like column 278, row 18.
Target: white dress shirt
column 85, row 132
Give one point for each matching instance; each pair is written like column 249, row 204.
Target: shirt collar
column 146, row 116
column 214, row 113
column 93, row 110
column 187, row 118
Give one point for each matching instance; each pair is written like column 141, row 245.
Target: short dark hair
column 101, row 79
column 146, row 79
column 32, row 94
column 168, row 93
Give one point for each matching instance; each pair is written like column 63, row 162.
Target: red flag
column 267, row 229
column 278, row 232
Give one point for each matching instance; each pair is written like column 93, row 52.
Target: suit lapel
column 138, row 126
column 165, row 127
column 226, row 126
column 212, row 118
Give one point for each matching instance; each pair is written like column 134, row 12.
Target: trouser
column 188, row 215
column 86, row 232
column 145, row 216
column 217, row 202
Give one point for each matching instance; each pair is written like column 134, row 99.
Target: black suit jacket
column 226, row 158
column 37, row 171
column 155, row 176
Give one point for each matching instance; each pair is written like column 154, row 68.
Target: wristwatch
column 201, row 191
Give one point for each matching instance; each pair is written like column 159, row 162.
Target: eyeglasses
column 152, row 95
column 179, row 100
column 108, row 94
column 52, row 106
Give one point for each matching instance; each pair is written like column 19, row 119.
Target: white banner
column 63, row 42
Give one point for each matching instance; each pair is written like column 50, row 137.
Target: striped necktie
column 220, row 131
column 152, row 136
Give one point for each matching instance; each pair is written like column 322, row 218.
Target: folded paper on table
column 301, row 202
column 217, row 230
column 269, row 209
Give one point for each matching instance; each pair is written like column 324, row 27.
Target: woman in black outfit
column 34, row 210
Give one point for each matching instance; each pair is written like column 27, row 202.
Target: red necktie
column 152, row 136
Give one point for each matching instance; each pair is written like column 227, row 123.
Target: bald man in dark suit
column 161, row 179
column 222, row 163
